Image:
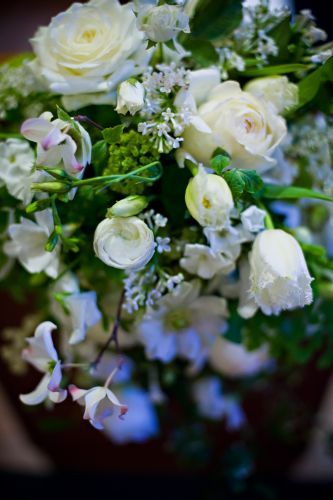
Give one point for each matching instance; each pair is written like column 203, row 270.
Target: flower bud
column 279, row 275
column 276, row 90
column 131, row 205
column 209, row 199
column 124, row 243
column 164, row 22
column 51, row 187
column 130, row 97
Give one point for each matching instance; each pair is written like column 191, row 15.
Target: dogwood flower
column 42, row 355
column 99, row 404
column 209, row 199
column 204, row 262
column 28, row 241
column 59, row 142
column 130, row 97
column 279, row 277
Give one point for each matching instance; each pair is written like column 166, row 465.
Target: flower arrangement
column 166, row 195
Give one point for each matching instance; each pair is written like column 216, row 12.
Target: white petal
column 39, row 394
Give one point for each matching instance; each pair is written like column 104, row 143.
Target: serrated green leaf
column 272, row 191
column 214, row 20
column 220, row 160
column 113, row 134
column 243, row 181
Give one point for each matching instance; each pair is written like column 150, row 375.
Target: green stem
column 9, row 135
column 268, row 218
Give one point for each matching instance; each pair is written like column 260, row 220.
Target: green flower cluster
column 130, row 151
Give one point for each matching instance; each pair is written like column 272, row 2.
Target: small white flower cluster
column 167, row 121
column 229, row 59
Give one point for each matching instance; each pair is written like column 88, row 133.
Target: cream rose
column 89, row 48
column 248, row 128
column 277, row 90
column 124, row 242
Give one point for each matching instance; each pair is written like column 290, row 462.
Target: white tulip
column 124, row 243
column 130, row 97
column 247, row 127
column 277, row 90
column 162, row 23
column 279, row 275
column 209, row 200
column 233, row 360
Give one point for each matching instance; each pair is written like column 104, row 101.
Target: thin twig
column 86, row 119
column 114, row 334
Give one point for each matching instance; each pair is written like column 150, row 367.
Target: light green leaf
column 220, row 160
column 113, row 134
column 272, row 191
column 276, row 70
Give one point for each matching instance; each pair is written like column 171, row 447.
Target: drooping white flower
column 209, row 199
column 279, row 276
column 16, row 168
column 99, row 404
column 184, row 324
column 253, row 219
column 58, row 143
column 233, row 360
column 130, row 97
column 247, row 127
column 89, row 48
column 204, row 262
column 42, row 355
column 162, row 23
column 277, row 90
column 83, row 312
column 124, row 243
column 28, row 241
column 213, row 404
column 141, row 421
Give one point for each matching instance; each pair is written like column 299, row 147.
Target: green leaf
column 62, row 115
column 309, row 87
column 276, row 70
column 214, row 20
column 272, row 191
column 243, row 181
column 203, row 51
column 220, row 160
column 113, row 134
column 100, row 155
column 37, row 206
column 52, row 242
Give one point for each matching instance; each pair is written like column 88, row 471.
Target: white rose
column 209, row 199
column 248, row 128
column 279, row 275
column 233, row 360
column 163, row 22
column 124, row 243
column 90, row 47
column 277, row 90
column 130, row 97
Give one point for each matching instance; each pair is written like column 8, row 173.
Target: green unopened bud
column 52, row 242
column 57, row 173
column 38, row 205
column 131, row 205
column 51, row 187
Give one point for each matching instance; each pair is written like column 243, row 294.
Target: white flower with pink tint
column 42, row 355
column 59, row 143
column 99, row 403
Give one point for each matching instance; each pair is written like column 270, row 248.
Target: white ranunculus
column 247, row 127
column 279, row 276
column 130, row 97
column 233, row 360
column 89, row 48
column 277, row 90
column 162, row 23
column 28, row 241
column 17, row 160
column 209, row 200
column 124, row 243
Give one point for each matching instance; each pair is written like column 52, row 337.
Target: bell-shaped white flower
column 17, row 160
column 209, row 199
column 279, row 276
column 99, row 404
column 42, row 355
column 59, row 143
column 130, row 97
column 204, row 262
column 83, row 312
column 124, row 243
column 233, row 360
column 28, row 241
